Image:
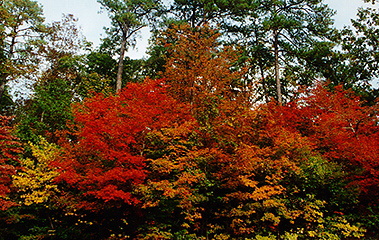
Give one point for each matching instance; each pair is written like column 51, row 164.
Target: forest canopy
column 249, row 119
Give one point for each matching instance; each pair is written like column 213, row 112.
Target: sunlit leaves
column 35, row 178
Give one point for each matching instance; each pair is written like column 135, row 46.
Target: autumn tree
column 35, row 180
column 10, row 151
column 253, row 178
column 343, row 128
column 196, row 14
column 10, row 148
column 199, row 71
column 229, row 175
column 282, row 40
column 35, row 215
column 341, row 125
column 105, row 164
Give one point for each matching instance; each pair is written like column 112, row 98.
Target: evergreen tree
column 127, row 18
column 21, row 26
column 277, row 34
column 360, row 50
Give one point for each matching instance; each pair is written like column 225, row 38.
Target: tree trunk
column 264, row 86
column 277, row 75
column 121, row 64
column 3, row 62
column 2, row 89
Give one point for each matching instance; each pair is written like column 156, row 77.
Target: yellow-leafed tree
column 35, row 180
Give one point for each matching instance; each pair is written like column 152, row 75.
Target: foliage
column 35, row 180
column 277, row 36
column 195, row 154
column 197, row 13
column 360, row 51
column 47, row 112
column 10, row 148
column 20, row 30
column 65, row 53
column 242, row 174
column 63, row 81
column 199, row 71
column 33, row 218
column 106, row 162
column 341, row 126
column 127, row 18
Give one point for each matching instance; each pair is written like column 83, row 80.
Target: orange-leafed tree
column 199, row 70
column 9, row 150
column 205, row 75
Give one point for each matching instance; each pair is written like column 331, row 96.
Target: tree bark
column 121, row 64
column 2, row 89
column 277, row 74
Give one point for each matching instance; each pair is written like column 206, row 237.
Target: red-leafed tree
column 9, row 148
column 107, row 159
column 342, row 127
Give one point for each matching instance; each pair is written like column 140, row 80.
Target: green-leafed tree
column 21, row 25
column 199, row 12
column 193, row 12
column 102, row 65
column 360, row 50
column 63, row 81
column 47, row 112
column 127, row 18
column 277, row 34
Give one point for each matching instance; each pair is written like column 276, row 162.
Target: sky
column 92, row 21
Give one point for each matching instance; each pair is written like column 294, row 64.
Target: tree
column 47, row 112
column 64, row 80
column 277, row 35
column 343, row 129
column 21, row 26
column 360, row 50
column 36, row 192
column 112, row 158
column 10, row 148
column 105, row 164
column 200, row 72
column 233, row 173
column 194, row 12
column 127, row 18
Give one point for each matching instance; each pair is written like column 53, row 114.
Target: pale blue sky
column 92, row 23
